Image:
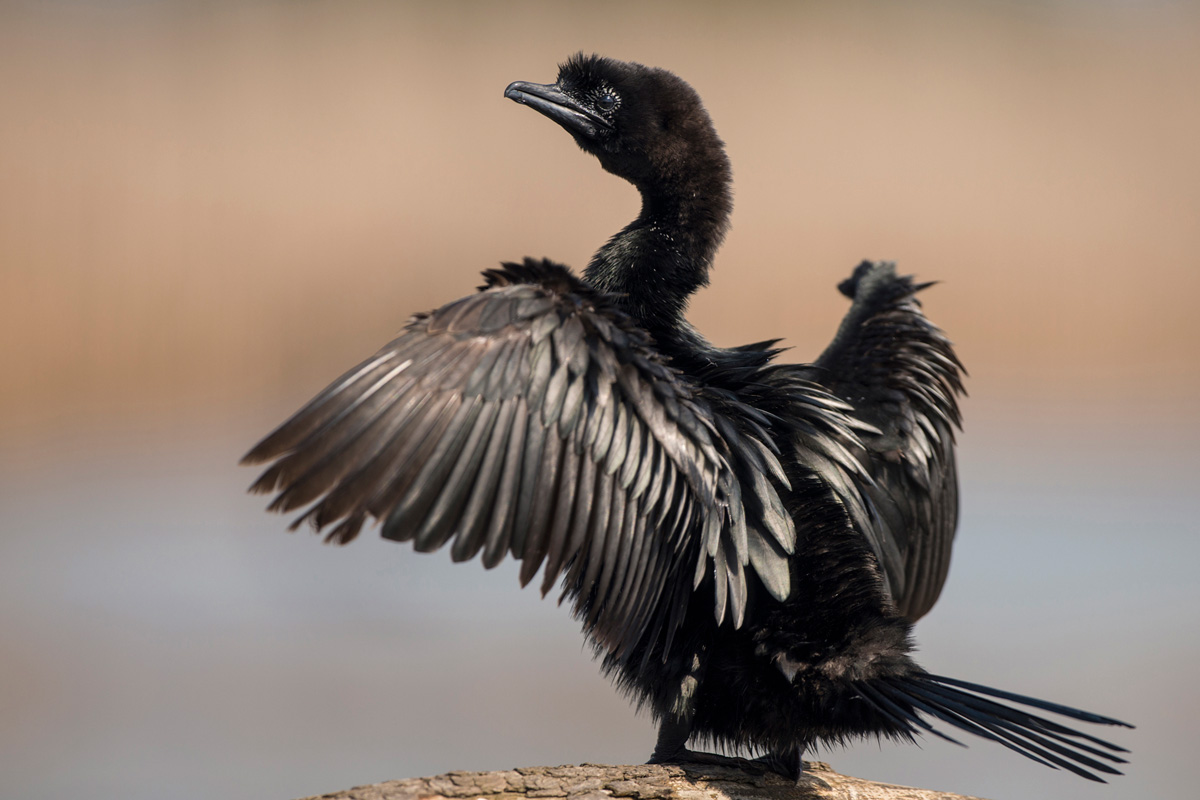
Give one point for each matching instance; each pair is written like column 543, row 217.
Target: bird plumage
column 746, row 542
column 535, row 419
column 901, row 375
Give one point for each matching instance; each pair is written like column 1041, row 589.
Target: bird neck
column 659, row 260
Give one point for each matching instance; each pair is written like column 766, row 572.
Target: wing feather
column 534, row 419
column 472, row 530
column 499, row 537
column 564, row 501
column 902, row 377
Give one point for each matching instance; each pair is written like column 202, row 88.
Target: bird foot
column 791, row 766
column 685, row 756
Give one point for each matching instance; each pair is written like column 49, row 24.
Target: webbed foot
column 683, row 755
column 790, row 764
column 787, row 763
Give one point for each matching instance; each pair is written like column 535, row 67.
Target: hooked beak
column 549, row 100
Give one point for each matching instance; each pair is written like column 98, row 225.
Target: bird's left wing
column 534, row 419
column 901, row 375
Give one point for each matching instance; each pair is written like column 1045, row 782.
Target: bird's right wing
column 534, row 419
column 901, row 375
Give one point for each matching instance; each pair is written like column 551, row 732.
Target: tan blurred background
column 207, row 210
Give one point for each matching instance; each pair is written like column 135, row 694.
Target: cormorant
column 746, row 542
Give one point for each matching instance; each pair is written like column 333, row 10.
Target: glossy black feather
column 958, row 704
column 901, row 375
column 521, row 371
column 747, row 543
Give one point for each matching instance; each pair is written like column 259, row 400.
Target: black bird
column 746, row 542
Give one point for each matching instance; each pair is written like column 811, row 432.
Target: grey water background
column 207, row 211
column 163, row 638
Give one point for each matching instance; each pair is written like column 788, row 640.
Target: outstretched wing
column 534, row 419
column 901, row 375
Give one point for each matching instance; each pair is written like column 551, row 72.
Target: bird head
column 644, row 124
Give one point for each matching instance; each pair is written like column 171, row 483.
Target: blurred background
column 208, row 210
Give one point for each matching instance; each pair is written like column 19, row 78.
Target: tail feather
column 898, row 716
column 903, row 701
column 1019, row 736
column 1049, row 727
column 1064, row 738
column 1066, row 711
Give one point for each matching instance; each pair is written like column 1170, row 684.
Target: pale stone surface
column 640, row 782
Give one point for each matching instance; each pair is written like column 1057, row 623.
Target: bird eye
column 607, row 101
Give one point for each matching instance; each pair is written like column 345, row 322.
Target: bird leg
column 673, row 734
column 676, row 728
